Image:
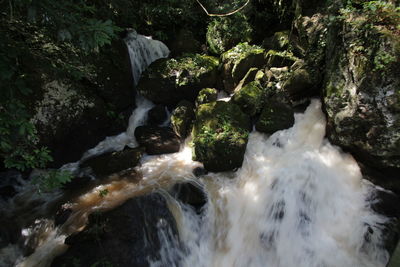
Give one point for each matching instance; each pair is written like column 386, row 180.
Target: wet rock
column 182, row 118
column 225, row 32
column 279, row 41
column 190, row 194
column 62, row 215
column 279, row 59
column 125, row 236
column 299, row 84
column 274, row 117
column 199, row 171
column 237, row 62
column 361, row 93
column 207, row 95
column 157, row 140
column 220, row 135
column 168, row 81
column 250, row 98
column 157, row 115
column 78, row 182
column 114, row 162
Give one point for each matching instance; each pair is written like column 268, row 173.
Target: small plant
column 103, row 192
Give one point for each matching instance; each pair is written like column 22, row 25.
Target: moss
column 280, row 59
column 250, row 98
column 207, row 95
column 220, row 136
column 224, row 32
column 182, row 118
column 274, row 117
column 240, row 52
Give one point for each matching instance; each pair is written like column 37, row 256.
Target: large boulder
column 114, row 162
column 237, row 61
column 361, row 90
column 125, row 236
column 168, row 81
column 250, row 98
column 157, row 140
column 207, row 95
column 182, row 118
column 275, row 116
column 220, row 135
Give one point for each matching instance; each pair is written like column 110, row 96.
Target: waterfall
column 143, row 51
column 296, row 201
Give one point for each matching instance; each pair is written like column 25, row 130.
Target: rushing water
column 296, row 201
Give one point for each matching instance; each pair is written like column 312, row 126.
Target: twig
column 222, row 15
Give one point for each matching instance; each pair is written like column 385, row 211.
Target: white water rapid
column 296, row 201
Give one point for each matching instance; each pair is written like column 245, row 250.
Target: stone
column 220, row 136
column 157, row 140
column 125, row 236
column 237, row 62
column 168, row 81
column 274, row 117
column 182, row 118
column 207, row 95
column 114, row 162
column 250, row 98
column 157, row 115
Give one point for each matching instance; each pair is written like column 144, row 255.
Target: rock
column 207, row 95
column 157, row 115
column 275, row 116
column 182, row 118
column 157, row 140
column 114, row 162
column 237, row 61
column 361, row 92
column 183, row 43
column 199, row 171
column 125, row 236
column 225, row 32
column 299, row 85
column 249, row 77
column 220, row 135
column 279, row 59
column 190, row 194
column 168, row 81
column 77, row 183
column 250, row 98
column 62, row 215
column 7, row 192
column 279, row 41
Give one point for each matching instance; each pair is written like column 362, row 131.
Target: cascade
column 296, row 201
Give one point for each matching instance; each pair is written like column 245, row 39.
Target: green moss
column 274, row 117
column 240, row 52
column 224, row 32
column 220, row 136
column 280, row 58
column 182, row 118
column 207, row 95
column 250, row 98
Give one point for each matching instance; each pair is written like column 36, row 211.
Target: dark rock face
column 250, row 98
column 274, row 117
column 184, row 42
column 220, row 135
column 168, row 81
column 157, row 140
column 72, row 115
column 114, row 162
column 182, row 118
column 124, row 236
column 361, row 95
column 157, row 115
column 190, row 194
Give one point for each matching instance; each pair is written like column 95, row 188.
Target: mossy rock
column 237, row 62
column 114, row 162
column 250, row 98
column 299, row 84
column 182, row 118
column 207, row 95
column 220, row 136
column 280, row 59
column 168, row 81
column 225, row 32
column 275, row 116
column 279, row 41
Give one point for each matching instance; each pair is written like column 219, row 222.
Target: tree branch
column 222, row 15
